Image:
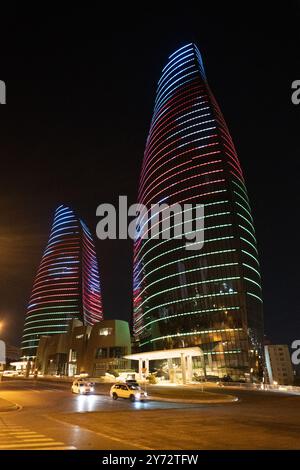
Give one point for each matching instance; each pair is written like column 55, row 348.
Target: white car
column 133, row 392
column 10, row 373
column 82, row 387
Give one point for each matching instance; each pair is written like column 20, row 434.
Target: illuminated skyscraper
column 67, row 283
column 210, row 297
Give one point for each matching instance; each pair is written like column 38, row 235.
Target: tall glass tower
column 67, row 283
column 210, row 297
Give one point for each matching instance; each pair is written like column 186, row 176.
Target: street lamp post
column 2, row 351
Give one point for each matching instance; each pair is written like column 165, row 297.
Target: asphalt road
column 52, row 418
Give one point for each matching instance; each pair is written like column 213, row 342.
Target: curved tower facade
column 67, row 283
column 209, row 297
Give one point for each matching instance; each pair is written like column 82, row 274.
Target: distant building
column 94, row 350
column 279, row 365
column 12, row 353
column 67, row 284
column 8, row 354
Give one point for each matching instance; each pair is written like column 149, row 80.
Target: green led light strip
column 253, row 269
column 45, row 333
column 41, row 327
column 256, row 296
column 206, row 205
column 56, row 307
column 197, row 312
column 47, row 319
column 190, row 284
column 191, row 333
column 184, row 259
column 249, row 243
column 180, row 238
column 180, row 248
column 254, row 282
column 248, row 231
column 243, row 189
column 247, row 220
column 249, row 254
column 185, row 299
column 51, row 313
column 242, row 207
column 246, row 210
column 181, row 223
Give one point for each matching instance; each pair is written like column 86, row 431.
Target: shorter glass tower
column 67, row 283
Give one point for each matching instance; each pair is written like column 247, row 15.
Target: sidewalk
column 185, row 394
column 6, row 405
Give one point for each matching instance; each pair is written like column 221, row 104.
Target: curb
column 9, row 407
column 233, row 399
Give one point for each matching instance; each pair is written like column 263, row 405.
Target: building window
column 101, row 353
column 116, row 352
column 105, row 331
column 73, row 355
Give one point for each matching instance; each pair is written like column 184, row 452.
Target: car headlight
column 138, row 395
column 145, row 393
column 92, row 389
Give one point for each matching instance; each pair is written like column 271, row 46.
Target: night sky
column 80, row 93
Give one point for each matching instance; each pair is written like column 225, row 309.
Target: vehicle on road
column 132, row 382
column 131, row 391
column 10, row 373
column 82, row 387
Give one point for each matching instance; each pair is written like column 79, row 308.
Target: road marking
column 10, row 426
column 18, row 437
column 26, row 439
column 17, row 432
column 60, row 448
column 32, row 445
column 39, row 439
column 21, row 438
column 106, row 436
column 28, row 436
column 9, row 430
